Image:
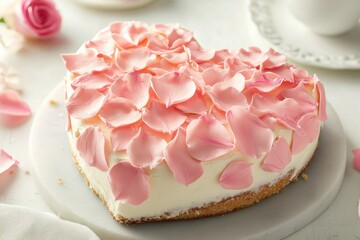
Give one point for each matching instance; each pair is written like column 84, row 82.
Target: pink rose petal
column 278, row 157
column 321, row 99
column 91, row 146
column 198, row 54
column 185, row 168
column 213, row 75
column 102, row 45
column 91, row 80
column 356, row 160
column 85, row 103
column 162, row 119
column 251, row 134
column 302, row 96
column 254, row 57
column 85, row 61
column 307, row 133
column 146, row 150
column 133, row 86
column 195, row 105
column 119, row 112
column 174, row 87
column 207, row 138
column 275, row 59
column 128, row 34
column 237, row 175
column 129, row 184
column 13, row 110
column 6, row 161
column 120, row 137
column 134, row 59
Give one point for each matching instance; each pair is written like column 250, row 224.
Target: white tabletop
column 216, row 24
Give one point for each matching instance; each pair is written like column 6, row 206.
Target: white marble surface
column 217, row 24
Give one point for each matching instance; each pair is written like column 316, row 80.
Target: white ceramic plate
column 278, row 26
column 114, row 4
column 273, row 218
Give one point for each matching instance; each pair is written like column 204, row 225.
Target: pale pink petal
column 146, row 150
column 91, row 147
column 213, row 75
column 185, row 168
column 119, row 112
column 302, row 96
column 178, row 37
column 129, row 184
column 133, row 59
column 6, row 161
column 162, row 119
column 13, row 110
column 85, row 103
column 91, row 80
column 275, row 60
column 321, row 99
column 121, row 136
column 85, row 61
column 228, row 93
column 251, row 134
column 133, row 86
column 175, row 57
column 207, row 138
column 278, row 157
column 356, row 159
column 102, row 45
column 195, row 105
column 254, row 57
column 237, row 175
column 174, row 87
column 128, row 34
column 198, row 54
column 307, row 133
column 234, row 65
column 158, row 44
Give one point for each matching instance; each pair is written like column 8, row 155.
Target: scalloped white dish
column 285, row 33
column 68, row 195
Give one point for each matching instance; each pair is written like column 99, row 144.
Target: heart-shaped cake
column 162, row 129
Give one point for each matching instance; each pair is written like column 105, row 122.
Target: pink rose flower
column 33, row 18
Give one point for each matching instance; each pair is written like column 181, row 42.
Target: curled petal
column 178, row 37
column 213, row 75
column 176, row 58
column 128, row 34
column 129, row 184
column 185, row 168
column 307, row 133
column 162, row 119
column 102, row 45
column 174, row 87
column 120, row 137
column 302, row 96
column 198, row 54
column 195, row 105
column 6, row 161
column 13, row 110
column 321, row 99
column 134, row 86
column 254, row 57
column 237, row 175
column 207, row 138
column 134, row 59
column 119, row 112
column 91, row 146
column 251, row 135
column 278, row 157
column 85, row 61
column 274, row 60
column 85, row 103
column 356, row 159
column 91, row 80
column 146, row 150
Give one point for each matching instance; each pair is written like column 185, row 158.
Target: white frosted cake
column 162, row 129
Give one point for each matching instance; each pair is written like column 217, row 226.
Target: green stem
column 2, row 20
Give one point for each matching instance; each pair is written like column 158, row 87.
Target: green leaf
column 2, row 20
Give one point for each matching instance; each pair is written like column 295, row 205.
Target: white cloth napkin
column 21, row 223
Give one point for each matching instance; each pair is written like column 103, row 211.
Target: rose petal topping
column 120, row 137
column 213, row 75
column 174, row 87
column 322, row 99
column 85, row 103
column 185, row 168
column 308, row 132
column 91, row 147
column 251, row 135
column 91, row 80
column 195, row 105
column 306, row 102
column 356, row 160
column 237, row 175
column 85, row 61
column 278, row 157
column 129, row 184
column 128, row 34
column 102, row 45
column 6, row 161
column 162, row 119
column 119, row 112
column 134, row 59
column 133, row 86
column 198, row 54
column 13, row 110
column 207, row 138
column 254, row 57
column 146, row 150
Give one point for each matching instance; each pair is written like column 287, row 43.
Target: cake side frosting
column 150, row 111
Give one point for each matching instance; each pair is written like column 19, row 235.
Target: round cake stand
column 67, row 193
